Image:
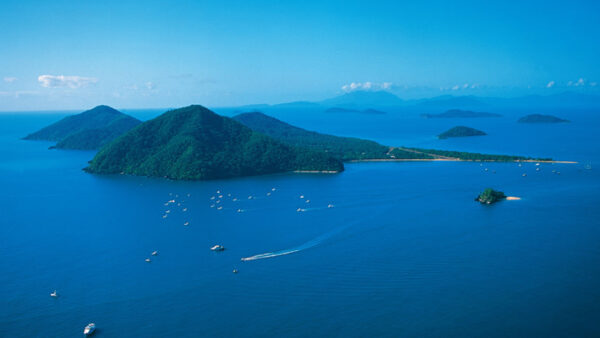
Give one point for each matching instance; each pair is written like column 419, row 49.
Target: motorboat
column 217, row 248
column 89, row 329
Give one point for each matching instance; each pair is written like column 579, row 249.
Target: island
column 489, row 196
column 457, row 113
column 89, row 130
column 343, row 148
column 539, row 118
column 355, row 149
column 194, row 143
column 461, row 131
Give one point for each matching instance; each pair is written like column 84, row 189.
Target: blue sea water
column 405, row 251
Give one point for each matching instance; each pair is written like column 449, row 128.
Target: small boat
column 212, row 197
column 307, row 201
column 240, row 210
column 218, row 191
column 89, row 329
column 299, row 210
column 537, row 169
column 537, row 164
column 186, row 223
column 184, row 209
column 54, row 294
column 220, row 196
column 235, row 199
column 168, row 211
column 330, row 205
column 154, row 253
column 164, row 216
column 212, row 205
column 250, row 197
column 524, row 175
column 235, row 270
column 301, row 196
column 272, row 189
column 217, row 248
column 268, row 194
column 147, row 260
column 220, row 208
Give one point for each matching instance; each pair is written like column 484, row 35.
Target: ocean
column 383, row 249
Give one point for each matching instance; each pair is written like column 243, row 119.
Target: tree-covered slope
column 344, row 148
column 88, row 130
column 195, row 143
column 460, row 131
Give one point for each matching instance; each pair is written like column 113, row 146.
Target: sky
column 163, row 54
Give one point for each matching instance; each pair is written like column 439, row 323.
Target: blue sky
column 128, row 54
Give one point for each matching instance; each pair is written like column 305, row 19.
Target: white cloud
column 10, row 79
column 53, row 81
column 366, row 86
column 550, row 84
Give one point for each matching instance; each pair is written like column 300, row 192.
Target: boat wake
column 313, row 242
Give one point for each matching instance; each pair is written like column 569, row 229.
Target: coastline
column 454, row 160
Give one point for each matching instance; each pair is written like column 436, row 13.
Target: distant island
column 461, row 131
column 539, row 118
column 489, row 196
column 193, row 143
column 349, row 110
column 457, row 113
column 89, row 130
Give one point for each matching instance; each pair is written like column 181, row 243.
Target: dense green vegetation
column 195, row 143
column 460, row 131
column 489, row 196
column 539, row 118
column 343, row 148
column 352, row 149
column 88, row 130
column 457, row 113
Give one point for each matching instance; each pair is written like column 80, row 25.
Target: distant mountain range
column 360, row 100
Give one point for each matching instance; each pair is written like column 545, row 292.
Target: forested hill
column 195, row 143
column 344, row 148
column 88, row 130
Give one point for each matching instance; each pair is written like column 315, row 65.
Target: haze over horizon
column 64, row 55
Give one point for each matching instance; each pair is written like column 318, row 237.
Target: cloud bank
column 366, row 86
column 73, row 81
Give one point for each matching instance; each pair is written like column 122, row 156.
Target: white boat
column 330, row 205
column 89, row 329
column 186, row 223
column 218, row 248
column 147, row 260
column 235, row 270
column 154, row 253
column 54, row 294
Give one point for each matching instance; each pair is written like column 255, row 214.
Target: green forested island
column 461, row 131
column 195, row 143
column 458, row 113
column 489, row 196
column 539, row 118
column 88, row 130
column 343, row 148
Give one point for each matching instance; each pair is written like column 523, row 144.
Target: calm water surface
column 405, row 251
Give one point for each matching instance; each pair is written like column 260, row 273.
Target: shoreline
column 453, row 160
